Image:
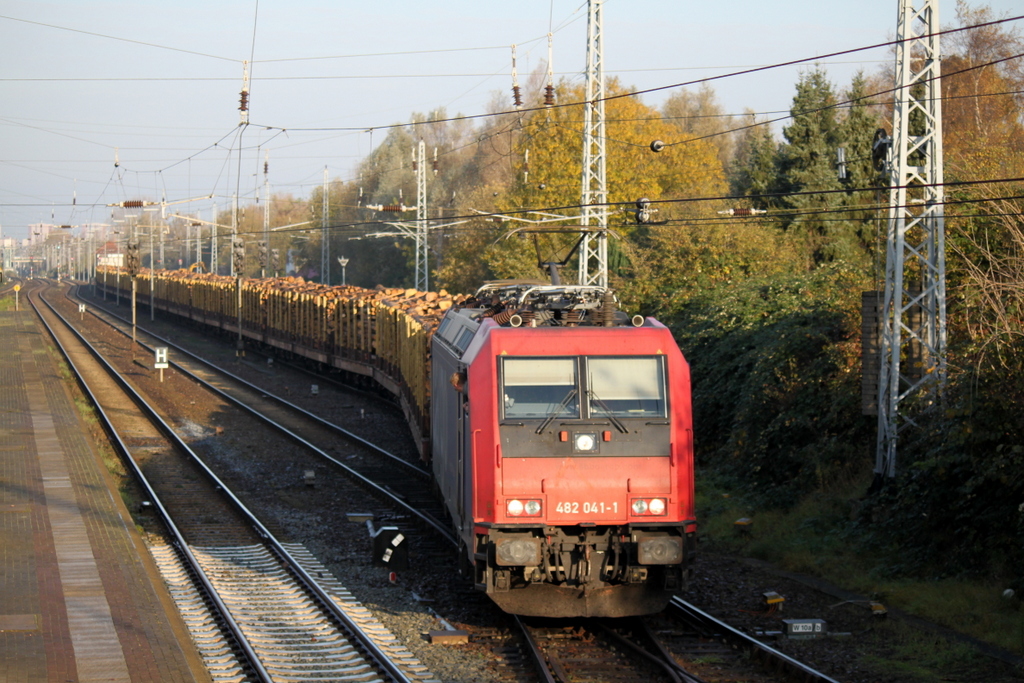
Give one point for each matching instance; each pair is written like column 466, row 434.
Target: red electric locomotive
column 563, row 447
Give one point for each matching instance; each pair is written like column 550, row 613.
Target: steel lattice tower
column 325, row 240
column 266, row 212
column 593, row 268
column 913, row 314
column 421, row 218
column 213, row 243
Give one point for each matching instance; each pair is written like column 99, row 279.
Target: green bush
column 776, row 381
column 957, row 505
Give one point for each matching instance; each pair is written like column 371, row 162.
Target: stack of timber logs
column 382, row 332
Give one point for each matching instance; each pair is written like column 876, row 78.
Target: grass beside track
column 811, row 538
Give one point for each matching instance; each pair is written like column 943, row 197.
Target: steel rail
column 801, row 671
column 439, row 526
column 666, row 655
column 669, row 668
column 179, row 540
column 277, row 399
column 535, row 652
column 380, row 657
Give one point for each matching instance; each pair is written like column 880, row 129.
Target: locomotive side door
column 462, row 434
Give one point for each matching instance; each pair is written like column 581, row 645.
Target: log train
column 557, row 428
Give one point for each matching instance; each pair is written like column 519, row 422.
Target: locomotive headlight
column 649, row 506
column 513, row 552
column 584, row 443
column 517, row 508
column 660, row 550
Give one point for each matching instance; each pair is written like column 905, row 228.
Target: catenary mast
column 593, row 263
column 422, row 245
column 913, row 313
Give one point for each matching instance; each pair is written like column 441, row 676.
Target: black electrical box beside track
column 390, row 548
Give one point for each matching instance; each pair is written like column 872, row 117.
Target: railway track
column 710, row 629
column 259, row 612
column 591, row 650
column 397, row 480
column 558, row 653
column 682, row 645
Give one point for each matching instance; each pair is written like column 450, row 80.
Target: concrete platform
column 80, row 598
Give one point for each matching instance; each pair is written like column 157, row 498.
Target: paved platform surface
column 80, row 599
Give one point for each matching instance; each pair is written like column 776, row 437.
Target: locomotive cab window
column 589, row 387
column 626, row 387
column 540, row 388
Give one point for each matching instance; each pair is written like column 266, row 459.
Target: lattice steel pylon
column 913, row 314
column 422, row 281
column 593, row 258
column 325, row 238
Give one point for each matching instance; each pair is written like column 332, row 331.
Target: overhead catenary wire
column 635, row 93
column 282, row 130
column 483, row 217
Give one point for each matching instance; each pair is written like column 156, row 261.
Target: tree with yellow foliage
column 547, row 159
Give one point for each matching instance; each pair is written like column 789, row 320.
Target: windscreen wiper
column 558, row 411
column 607, row 411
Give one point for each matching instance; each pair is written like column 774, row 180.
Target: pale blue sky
column 157, row 83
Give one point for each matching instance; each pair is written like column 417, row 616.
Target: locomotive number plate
column 587, row 508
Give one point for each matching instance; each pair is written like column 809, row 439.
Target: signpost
column 161, row 360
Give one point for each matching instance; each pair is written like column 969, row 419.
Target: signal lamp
column 584, row 443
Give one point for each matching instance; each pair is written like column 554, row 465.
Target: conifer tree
column 863, row 182
column 755, row 169
column 809, row 173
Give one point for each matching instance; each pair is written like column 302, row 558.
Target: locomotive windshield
column 613, row 386
column 540, row 388
column 625, row 387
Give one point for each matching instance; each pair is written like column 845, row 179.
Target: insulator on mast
column 517, row 98
column 243, row 98
column 549, row 89
column 435, row 161
column 841, row 163
column 743, row 212
column 643, row 211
